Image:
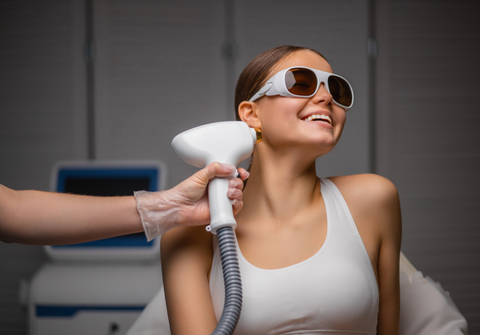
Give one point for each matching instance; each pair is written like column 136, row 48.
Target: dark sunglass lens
column 340, row 90
column 301, row 82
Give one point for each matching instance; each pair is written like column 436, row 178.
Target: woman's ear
column 248, row 112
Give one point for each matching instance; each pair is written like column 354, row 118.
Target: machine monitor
column 108, row 179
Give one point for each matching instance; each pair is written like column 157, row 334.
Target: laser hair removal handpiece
column 225, row 142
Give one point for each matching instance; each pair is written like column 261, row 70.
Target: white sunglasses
column 303, row 82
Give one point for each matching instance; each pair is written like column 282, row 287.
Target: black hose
column 233, row 282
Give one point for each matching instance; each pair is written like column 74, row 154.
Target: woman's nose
column 322, row 95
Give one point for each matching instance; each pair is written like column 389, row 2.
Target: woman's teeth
column 319, row 117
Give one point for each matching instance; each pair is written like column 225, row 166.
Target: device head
column 226, row 142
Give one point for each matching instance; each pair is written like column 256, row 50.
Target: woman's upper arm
column 186, row 260
column 390, row 228
column 374, row 203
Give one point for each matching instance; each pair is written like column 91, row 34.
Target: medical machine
column 225, row 142
column 97, row 287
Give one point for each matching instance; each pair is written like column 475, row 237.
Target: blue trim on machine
column 60, row 311
column 128, row 241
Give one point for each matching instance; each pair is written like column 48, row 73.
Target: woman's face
column 285, row 120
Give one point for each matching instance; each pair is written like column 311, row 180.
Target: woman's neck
column 280, row 186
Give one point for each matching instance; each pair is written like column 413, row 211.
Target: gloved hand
column 187, row 203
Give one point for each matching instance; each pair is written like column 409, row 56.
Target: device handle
column 221, row 212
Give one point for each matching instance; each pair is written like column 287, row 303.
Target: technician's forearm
column 34, row 217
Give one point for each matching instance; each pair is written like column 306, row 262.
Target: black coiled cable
column 233, row 282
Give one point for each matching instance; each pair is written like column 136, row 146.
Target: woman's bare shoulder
column 187, row 244
column 366, row 189
column 196, row 235
column 373, row 201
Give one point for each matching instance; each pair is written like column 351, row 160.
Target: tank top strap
column 337, row 207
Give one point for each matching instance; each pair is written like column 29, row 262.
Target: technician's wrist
column 158, row 212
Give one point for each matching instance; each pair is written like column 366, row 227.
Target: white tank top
column 333, row 292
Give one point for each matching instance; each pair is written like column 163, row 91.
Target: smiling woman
column 317, row 255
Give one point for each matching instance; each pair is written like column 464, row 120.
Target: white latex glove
column 187, row 203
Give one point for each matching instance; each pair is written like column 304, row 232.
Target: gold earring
column 259, row 134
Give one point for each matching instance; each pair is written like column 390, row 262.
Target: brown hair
column 255, row 74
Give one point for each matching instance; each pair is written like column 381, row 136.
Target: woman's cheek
column 340, row 124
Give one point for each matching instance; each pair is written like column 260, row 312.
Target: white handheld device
column 225, row 142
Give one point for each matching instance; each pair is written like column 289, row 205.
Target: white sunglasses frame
column 276, row 85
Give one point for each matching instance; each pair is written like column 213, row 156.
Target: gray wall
column 428, row 141
column 42, row 118
column 161, row 67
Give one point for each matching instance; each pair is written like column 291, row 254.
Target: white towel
column 154, row 318
column 427, row 309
